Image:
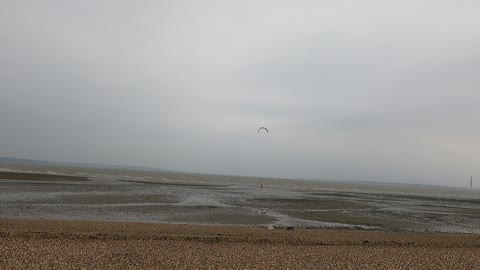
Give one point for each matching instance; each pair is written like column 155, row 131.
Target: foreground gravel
column 28, row 244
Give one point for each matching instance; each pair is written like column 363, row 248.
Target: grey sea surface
column 166, row 197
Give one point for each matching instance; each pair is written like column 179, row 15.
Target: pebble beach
column 41, row 244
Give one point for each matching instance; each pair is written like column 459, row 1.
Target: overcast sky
column 350, row 90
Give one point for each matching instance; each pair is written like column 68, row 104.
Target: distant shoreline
column 39, row 176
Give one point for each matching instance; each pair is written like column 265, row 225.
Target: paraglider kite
column 264, row 128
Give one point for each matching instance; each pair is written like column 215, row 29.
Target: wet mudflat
column 131, row 196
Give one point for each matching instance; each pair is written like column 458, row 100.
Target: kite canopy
column 262, row 128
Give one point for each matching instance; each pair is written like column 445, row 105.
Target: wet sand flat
column 40, row 244
column 137, row 196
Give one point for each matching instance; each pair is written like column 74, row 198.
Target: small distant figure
column 289, row 228
column 261, row 186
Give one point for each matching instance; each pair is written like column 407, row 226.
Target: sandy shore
column 30, row 244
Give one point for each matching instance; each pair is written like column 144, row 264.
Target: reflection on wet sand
column 228, row 200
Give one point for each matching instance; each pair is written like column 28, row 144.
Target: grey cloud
column 380, row 90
